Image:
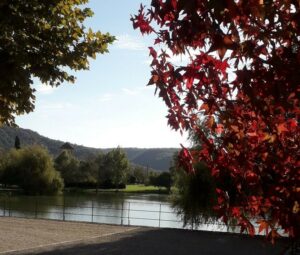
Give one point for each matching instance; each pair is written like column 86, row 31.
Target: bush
column 82, row 185
column 107, row 184
column 194, row 194
column 161, row 180
column 31, row 168
column 68, row 166
column 113, row 170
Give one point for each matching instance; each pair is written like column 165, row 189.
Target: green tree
column 115, row 169
column 31, row 168
column 88, row 173
column 164, row 180
column 194, row 194
column 99, row 164
column 160, row 179
column 17, row 143
column 137, row 174
column 68, row 166
column 151, row 178
column 42, row 39
column 2, row 151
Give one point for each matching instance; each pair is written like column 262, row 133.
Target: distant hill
column 158, row 158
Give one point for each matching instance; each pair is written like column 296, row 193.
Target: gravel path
column 69, row 238
column 19, row 234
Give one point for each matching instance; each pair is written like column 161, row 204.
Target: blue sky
column 109, row 105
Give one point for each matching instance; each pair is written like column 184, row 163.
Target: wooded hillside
column 156, row 158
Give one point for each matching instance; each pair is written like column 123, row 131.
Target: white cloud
column 128, row 42
column 136, row 90
column 105, row 97
column 130, row 92
column 56, row 106
column 45, row 89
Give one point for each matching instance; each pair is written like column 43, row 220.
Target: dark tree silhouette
column 17, row 143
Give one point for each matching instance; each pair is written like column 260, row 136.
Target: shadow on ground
column 170, row 242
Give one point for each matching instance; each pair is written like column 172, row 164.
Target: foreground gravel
column 21, row 234
column 69, row 238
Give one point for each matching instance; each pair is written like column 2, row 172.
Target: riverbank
column 48, row 237
column 131, row 188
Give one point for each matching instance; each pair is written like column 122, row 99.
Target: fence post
column 92, row 210
column 122, row 213
column 64, row 207
column 35, row 210
column 192, row 223
column 9, row 209
column 128, row 213
column 159, row 215
column 4, row 207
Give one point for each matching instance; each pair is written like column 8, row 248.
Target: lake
column 107, row 207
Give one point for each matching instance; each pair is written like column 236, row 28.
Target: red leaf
column 210, row 122
column 153, row 53
column 235, row 128
column 185, row 159
column 236, row 212
column 282, row 128
column 219, row 129
column 293, row 123
column 251, row 229
column 263, row 225
column 252, row 134
column 153, row 79
column 174, row 4
column 205, row 107
column 273, row 235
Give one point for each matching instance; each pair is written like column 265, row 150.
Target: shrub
column 31, row 168
column 194, row 194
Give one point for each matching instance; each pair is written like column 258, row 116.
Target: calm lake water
column 111, row 208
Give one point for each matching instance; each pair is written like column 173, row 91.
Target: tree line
column 34, row 170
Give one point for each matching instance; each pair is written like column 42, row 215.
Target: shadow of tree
column 170, row 242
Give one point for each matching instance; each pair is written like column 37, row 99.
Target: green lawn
column 143, row 188
column 138, row 188
column 131, row 188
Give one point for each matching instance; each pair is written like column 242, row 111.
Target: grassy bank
column 131, row 188
column 145, row 189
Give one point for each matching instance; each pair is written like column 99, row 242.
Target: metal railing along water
column 129, row 213
column 125, row 213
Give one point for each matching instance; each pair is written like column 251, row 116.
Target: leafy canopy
column 76, row 173
column 31, row 168
column 68, row 166
column 194, row 195
column 240, row 74
column 44, row 40
column 115, row 168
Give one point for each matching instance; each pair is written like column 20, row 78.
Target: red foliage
column 242, row 76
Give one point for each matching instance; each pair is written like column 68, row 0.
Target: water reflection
column 110, row 208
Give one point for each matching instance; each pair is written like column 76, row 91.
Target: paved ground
column 36, row 236
column 20, row 234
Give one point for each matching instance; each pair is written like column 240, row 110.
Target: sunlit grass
column 130, row 188
column 142, row 188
